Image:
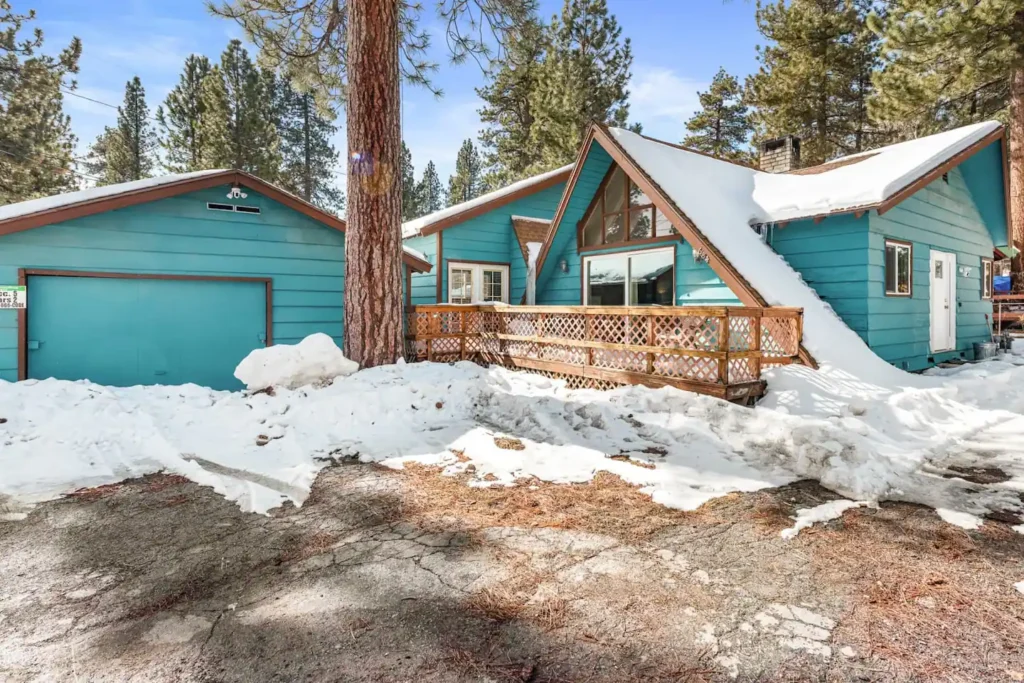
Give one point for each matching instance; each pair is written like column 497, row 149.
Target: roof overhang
column 88, row 207
column 474, row 209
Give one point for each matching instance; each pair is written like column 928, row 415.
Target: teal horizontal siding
column 180, row 236
column 491, row 237
column 697, row 284
column 554, row 286
column 983, row 177
column 424, row 285
column 833, row 258
column 945, row 216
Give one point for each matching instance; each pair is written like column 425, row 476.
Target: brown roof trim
column 944, row 167
column 121, row 200
column 495, row 203
column 527, row 231
column 680, row 221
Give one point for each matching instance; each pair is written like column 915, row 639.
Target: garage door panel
column 123, row 332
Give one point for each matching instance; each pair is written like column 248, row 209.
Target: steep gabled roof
column 35, row 213
column 459, row 213
column 713, row 203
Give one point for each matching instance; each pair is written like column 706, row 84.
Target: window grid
column 462, row 286
column 625, row 221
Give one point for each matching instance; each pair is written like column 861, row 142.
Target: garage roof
column 35, row 213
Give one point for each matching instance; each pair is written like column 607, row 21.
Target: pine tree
column 722, row 126
column 239, row 119
column 950, row 63
column 815, row 75
column 36, row 143
column 309, row 160
column 429, row 193
column 179, row 118
column 508, row 112
column 128, row 151
column 467, row 182
column 583, row 78
column 354, row 51
column 410, row 199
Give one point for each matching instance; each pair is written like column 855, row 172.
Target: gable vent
column 213, row 206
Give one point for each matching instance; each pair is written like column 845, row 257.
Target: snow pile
column 825, row 512
column 681, row 448
column 315, row 359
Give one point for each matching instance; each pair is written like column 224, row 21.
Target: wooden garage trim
column 25, row 273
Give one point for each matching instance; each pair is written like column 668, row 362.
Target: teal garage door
column 127, row 331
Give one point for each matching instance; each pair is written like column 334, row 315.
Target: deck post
column 755, row 331
column 650, row 342
column 723, row 346
column 587, row 332
column 462, row 334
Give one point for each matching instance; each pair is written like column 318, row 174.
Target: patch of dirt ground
column 410, row 576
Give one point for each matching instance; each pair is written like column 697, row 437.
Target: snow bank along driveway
column 867, row 442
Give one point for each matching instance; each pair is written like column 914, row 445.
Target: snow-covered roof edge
column 36, row 213
column 439, row 220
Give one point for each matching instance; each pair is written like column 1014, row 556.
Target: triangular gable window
column 620, row 213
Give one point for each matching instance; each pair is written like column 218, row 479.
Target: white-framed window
column 474, row 283
column 899, row 264
column 986, row 278
column 632, row 278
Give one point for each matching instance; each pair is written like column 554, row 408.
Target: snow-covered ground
column 868, row 442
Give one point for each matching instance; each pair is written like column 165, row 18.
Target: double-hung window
column 474, row 283
column 638, row 278
column 899, row 263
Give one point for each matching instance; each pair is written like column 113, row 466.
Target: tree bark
column 373, row 264
column 1016, row 147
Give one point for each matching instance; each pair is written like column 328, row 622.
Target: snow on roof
column 862, row 179
column 414, row 227
column 532, row 219
column 723, row 199
column 414, row 253
column 57, row 201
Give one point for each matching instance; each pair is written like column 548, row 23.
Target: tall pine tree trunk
column 373, row 282
column 1017, row 172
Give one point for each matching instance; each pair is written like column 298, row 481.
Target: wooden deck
column 1007, row 312
column 719, row 350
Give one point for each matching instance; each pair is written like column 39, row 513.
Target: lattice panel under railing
column 780, row 338
column 714, row 350
column 686, row 332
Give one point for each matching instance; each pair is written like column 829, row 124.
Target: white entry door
column 943, row 301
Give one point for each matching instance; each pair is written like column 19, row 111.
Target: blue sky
column 678, row 46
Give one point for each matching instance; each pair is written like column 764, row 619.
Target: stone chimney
column 780, row 155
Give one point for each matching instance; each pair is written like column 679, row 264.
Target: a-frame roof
column 35, row 213
column 712, row 204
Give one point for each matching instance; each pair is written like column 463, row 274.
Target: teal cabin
column 900, row 242
column 479, row 248
column 167, row 281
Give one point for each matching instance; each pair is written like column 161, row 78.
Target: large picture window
column 899, row 264
column 639, row 278
column 621, row 213
column 474, row 283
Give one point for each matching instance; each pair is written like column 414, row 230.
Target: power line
column 153, row 118
column 69, row 170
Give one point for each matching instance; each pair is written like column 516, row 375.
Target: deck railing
column 717, row 350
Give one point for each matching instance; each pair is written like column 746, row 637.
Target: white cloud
column 662, row 100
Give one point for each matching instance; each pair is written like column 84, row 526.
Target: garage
column 122, row 330
column 168, row 280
